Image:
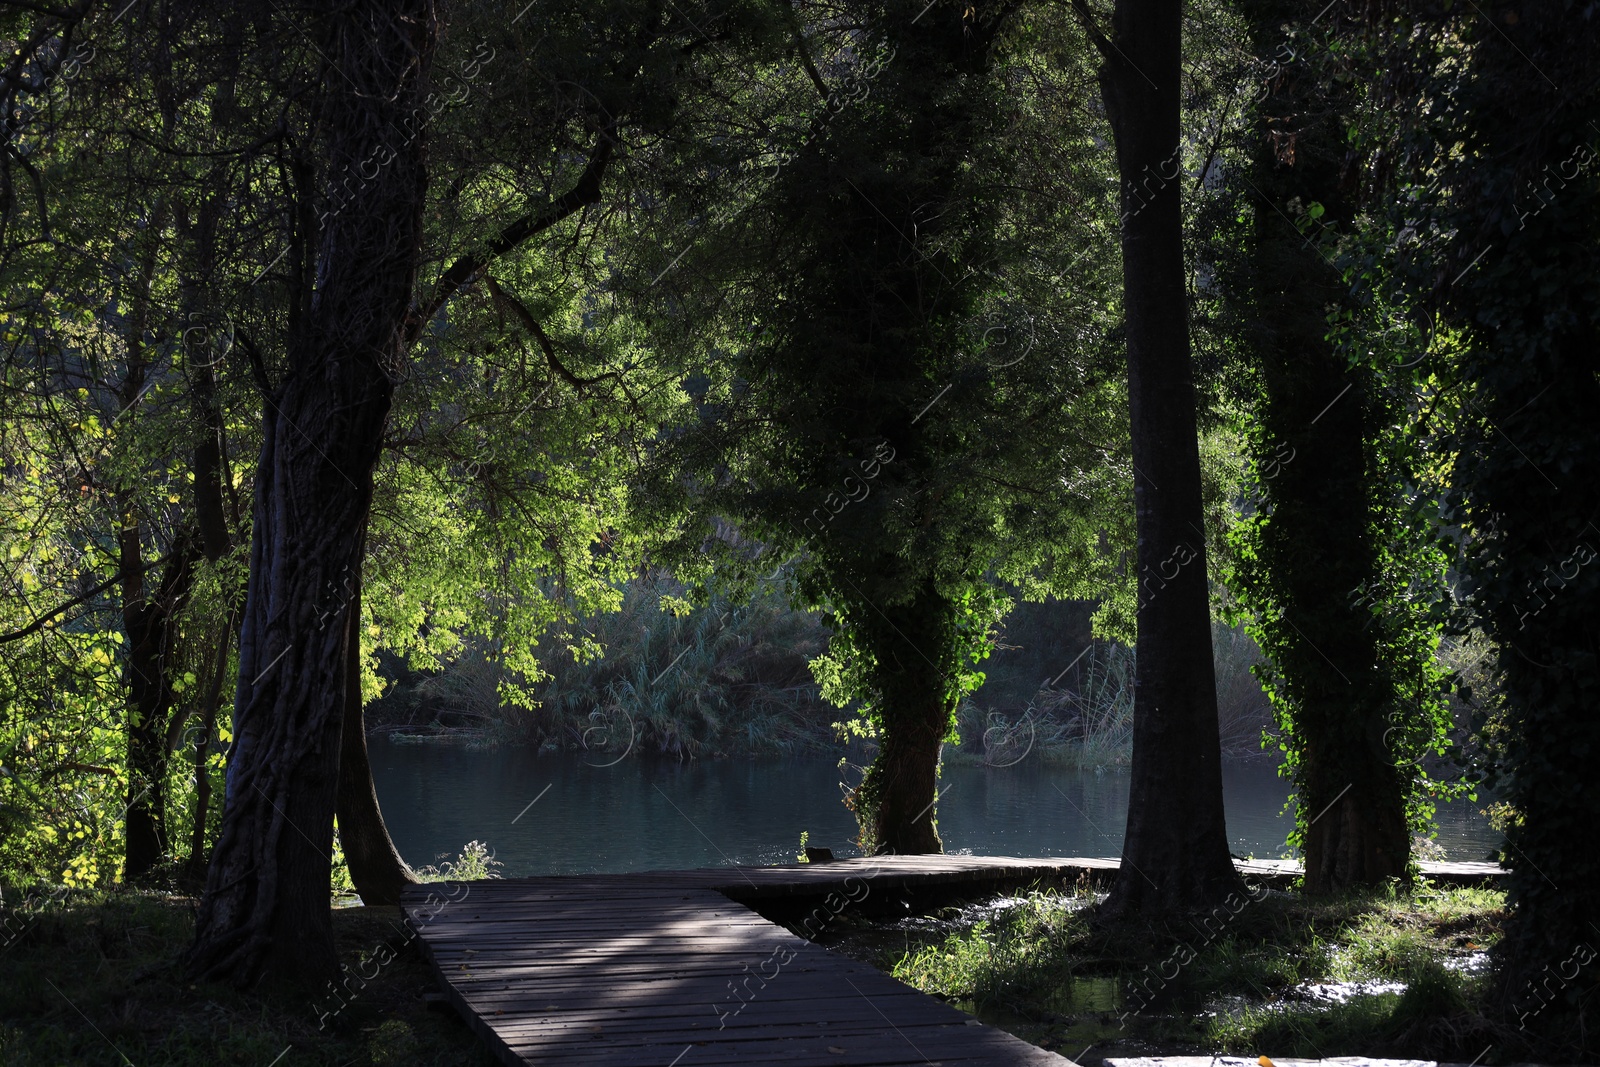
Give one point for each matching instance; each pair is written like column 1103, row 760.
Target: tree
column 1176, row 837
column 537, row 505
column 105, row 270
column 1480, row 134
column 1331, row 550
column 1505, row 246
column 265, row 910
column 897, row 401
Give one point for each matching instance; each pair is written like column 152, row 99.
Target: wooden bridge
column 672, row 969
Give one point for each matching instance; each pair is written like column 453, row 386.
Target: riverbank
column 1375, row 974
column 91, row 978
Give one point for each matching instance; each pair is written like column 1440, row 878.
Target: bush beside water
column 730, row 679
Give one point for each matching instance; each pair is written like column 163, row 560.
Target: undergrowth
column 1389, row 973
column 92, row 978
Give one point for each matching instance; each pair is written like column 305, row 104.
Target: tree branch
column 258, row 365
column 805, row 53
column 469, row 268
column 38, row 624
column 1101, row 42
column 520, row 310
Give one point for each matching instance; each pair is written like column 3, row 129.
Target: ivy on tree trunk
column 1311, row 555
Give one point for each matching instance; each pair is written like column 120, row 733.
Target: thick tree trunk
column 908, row 766
column 265, row 913
column 1522, row 284
column 1175, row 851
column 1359, row 839
column 1318, row 539
column 375, row 864
column 907, row 777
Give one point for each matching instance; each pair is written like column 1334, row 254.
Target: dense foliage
column 1335, row 541
column 899, row 396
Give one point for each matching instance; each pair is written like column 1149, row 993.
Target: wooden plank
column 917, row 1046
column 818, row 1011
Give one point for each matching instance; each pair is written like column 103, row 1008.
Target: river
column 563, row 814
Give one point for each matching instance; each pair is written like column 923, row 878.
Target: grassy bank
column 1380, row 974
column 91, row 979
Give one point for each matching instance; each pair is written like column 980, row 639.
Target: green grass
column 1431, row 1014
column 1024, row 948
column 1040, row 968
column 92, row 979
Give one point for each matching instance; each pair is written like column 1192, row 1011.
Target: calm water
column 557, row 814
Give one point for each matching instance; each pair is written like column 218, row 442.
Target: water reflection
column 556, row 814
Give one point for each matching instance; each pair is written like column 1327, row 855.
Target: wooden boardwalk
column 670, row 969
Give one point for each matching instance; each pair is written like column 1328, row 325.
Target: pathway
column 670, row 969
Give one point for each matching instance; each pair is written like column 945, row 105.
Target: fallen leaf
column 1266, row 1062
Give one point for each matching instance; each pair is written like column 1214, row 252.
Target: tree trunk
column 907, row 767
column 1319, row 422
column 265, row 913
column 895, row 803
column 151, row 640
column 1521, row 283
column 198, row 230
column 375, row 864
column 1176, row 841
column 209, row 510
column 1359, row 838
column 202, row 749
column 146, row 620
column 208, row 464
column 1318, row 542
